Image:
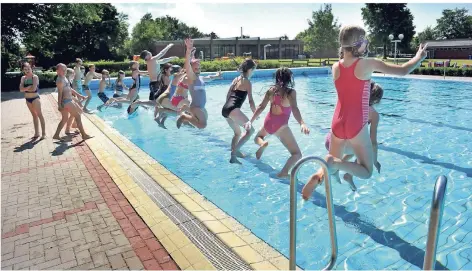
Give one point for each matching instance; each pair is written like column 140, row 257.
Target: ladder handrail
column 437, row 207
column 293, row 212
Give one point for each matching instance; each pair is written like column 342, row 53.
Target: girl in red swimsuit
column 352, row 80
column 283, row 101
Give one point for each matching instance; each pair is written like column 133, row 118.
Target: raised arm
column 165, row 60
column 188, row 55
column 97, row 75
column 292, row 98
column 163, row 52
column 210, row 78
column 406, row 68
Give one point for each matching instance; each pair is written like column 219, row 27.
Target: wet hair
column 77, row 60
column 247, row 65
column 376, row 93
column 91, row 66
column 348, row 37
column 144, row 54
column 284, row 81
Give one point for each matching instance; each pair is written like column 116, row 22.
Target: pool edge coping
column 256, row 252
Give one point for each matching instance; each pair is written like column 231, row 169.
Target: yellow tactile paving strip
column 258, row 254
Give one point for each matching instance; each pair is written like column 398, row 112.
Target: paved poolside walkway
column 60, row 208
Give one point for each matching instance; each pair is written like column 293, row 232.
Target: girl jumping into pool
column 163, row 81
column 88, row 77
column 173, row 100
column 101, row 90
column 352, row 81
column 65, row 103
column 240, row 88
column 283, row 101
column 196, row 86
column 376, row 94
column 29, row 84
column 133, row 90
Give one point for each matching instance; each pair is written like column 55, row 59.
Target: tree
column 322, row 33
column 454, row 24
column 147, row 32
column 385, row 19
column 90, row 31
column 428, row 33
column 16, row 20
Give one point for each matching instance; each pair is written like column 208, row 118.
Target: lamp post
column 265, row 47
column 400, row 37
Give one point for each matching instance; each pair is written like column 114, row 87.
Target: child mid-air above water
column 352, row 81
column 376, row 94
column 283, row 100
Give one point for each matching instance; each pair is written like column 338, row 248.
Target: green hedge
column 440, row 71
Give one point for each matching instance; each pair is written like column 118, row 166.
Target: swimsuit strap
column 353, row 65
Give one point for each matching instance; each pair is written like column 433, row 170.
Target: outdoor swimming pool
column 425, row 131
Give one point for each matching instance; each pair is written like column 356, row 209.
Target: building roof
column 449, row 43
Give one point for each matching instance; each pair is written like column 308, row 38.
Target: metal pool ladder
column 437, row 207
column 293, row 212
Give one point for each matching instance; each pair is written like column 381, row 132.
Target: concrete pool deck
column 102, row 213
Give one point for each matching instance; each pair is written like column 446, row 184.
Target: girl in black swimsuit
column 238, row 91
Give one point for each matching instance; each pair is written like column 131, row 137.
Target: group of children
column 349, row 136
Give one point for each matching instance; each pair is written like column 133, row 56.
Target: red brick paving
column 149, row 250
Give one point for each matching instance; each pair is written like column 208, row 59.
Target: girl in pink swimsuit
column 352, row 80
column 283, row 101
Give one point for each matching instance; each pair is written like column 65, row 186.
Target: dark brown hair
column 376, row 93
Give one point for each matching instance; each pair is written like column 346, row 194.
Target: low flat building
column 450, row 49
column 207, row 48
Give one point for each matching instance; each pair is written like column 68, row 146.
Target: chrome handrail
column 293, row 212
column 437, row 206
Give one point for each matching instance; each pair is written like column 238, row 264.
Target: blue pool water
column 425, row 131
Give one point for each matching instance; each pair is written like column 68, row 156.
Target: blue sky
column 268, row 20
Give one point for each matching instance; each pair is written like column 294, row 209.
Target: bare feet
column 57, row 137
column 43, row 136
column 234, row 159
column 260, row 151
column 310, row 186
column 35, row 136
column 348, row 178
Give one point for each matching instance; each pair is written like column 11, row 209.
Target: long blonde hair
column 348, row 37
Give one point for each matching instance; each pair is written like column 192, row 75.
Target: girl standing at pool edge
column 29, row 85
column 283, row 100
column 352, row 81
column 240, row 88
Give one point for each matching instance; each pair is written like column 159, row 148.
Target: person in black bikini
column 29, row 84
column 237, row 93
